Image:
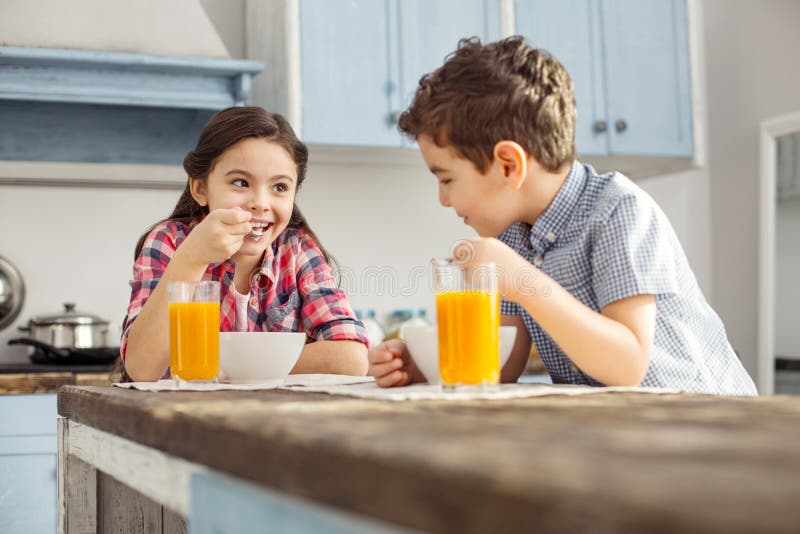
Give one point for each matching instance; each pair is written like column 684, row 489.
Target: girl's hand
column 217, row 237
column 515, row 274
column 391, row 364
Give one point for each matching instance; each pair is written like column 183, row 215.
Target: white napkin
column 504, row 391
column 290, row 382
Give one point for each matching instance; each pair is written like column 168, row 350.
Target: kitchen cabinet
column 28, row 463
column 226, row 505
column 361, row 61
column 629, row 63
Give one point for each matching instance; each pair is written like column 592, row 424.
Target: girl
column 236, row 222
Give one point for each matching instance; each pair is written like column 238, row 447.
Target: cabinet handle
column 621, row 125
column 600, row 127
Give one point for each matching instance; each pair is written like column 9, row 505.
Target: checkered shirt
column 293, row 291
column 604, row 239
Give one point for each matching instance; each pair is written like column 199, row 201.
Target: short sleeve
column 634, row 252
column 326, row 312
column 148, row 268
column 509, row 308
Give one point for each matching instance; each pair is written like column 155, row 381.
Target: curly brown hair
column 506, row 90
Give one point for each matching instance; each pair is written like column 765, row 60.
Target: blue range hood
column 59, row 105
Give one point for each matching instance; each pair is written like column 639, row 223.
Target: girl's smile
column 260, row 177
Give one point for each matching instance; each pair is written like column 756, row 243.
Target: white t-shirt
column 240, row 324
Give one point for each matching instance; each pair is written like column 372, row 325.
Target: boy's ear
column 198, row 190
column 513, row 160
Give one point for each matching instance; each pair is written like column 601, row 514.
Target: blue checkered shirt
column 604, row 239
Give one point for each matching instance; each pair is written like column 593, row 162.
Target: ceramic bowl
column 252, row 357
column 423, row 345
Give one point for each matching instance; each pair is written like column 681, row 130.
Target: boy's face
column 478, row 198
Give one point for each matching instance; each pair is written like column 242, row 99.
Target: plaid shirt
column 604, row 239
column 293, row 291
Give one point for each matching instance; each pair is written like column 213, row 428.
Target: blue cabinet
column 224, row 505
column 629, row 62
column 361, row 60
column 28, row 445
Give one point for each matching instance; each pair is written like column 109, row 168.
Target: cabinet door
column 568, row 30
column 28, row 491
column 647, row 77
column 347, row 94
column 431, row 29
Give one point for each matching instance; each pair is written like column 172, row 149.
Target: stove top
column 29, row 367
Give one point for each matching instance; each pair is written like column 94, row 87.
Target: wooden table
column 606, row 462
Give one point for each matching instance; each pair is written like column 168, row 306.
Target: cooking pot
column 70, row 329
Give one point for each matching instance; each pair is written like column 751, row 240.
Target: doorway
column 779, row 257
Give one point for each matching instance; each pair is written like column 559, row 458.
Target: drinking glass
column 468, row 317
column 194, row 331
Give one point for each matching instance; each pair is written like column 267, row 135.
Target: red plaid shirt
column 293, row 291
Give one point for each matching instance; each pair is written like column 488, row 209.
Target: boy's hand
column 218, row 237
column 391, row 364
column 515, row 274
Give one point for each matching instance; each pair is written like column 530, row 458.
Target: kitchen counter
column 28, row 378
column 606, row 462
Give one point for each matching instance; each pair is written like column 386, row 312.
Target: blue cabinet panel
column 26, row 415
column 28, row 445
column 223, row 505
column 28, row 494
column 53, row 131
column 647, row 76
column 347, row 94
column 431, row 29
column 362, row 60
column 568, row 30
column 629, row 63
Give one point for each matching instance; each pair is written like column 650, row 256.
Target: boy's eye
column 239, row 182
column 445, row 181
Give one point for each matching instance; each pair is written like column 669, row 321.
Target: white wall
column 787, row 279
column 74, row 245
column 752, row 75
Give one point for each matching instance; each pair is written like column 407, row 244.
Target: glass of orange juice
column 468, row 317
column 193, row 331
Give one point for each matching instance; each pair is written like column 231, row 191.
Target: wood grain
column 122, row 510
column 602, row 463
column 28, row 383
column 77, row 489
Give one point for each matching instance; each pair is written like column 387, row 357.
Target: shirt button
column 537, row 261
column 550, row 237
column 253, row 302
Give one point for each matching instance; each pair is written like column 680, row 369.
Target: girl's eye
column 239, row 182
column 445, row 181
column 282, row 188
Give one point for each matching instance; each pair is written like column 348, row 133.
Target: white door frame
column 771, row 129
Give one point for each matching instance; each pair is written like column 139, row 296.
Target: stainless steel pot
column 70, row 329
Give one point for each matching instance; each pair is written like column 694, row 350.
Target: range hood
column 128, row 88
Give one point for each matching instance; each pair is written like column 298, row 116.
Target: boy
column 593, row 273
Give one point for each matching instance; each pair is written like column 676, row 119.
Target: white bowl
column 423, row 346
column 251, row 357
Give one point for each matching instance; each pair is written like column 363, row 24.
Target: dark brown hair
column 506, row 90
column 223, row 130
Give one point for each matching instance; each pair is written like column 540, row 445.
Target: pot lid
column 68, row 317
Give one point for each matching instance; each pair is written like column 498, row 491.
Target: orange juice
column 194, row 340
column 469, row 326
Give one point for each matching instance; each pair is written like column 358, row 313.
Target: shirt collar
column 553, row 221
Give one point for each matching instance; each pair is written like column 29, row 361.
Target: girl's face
column 259, row 176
